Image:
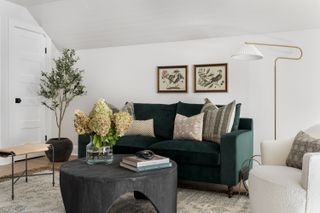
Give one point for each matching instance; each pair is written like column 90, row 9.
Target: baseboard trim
column 5, row 161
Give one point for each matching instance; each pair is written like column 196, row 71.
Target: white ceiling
column 103, row 23
column 28, row 3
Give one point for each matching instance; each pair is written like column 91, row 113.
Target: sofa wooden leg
column 230, row 191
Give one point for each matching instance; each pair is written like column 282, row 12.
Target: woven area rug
column 39, row 196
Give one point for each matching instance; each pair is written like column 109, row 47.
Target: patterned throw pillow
column 129, row 107
column 302, row 144
column 208, row 105
column 188, row 127
column 217, row 121
column 141, row 127
column 113, row 108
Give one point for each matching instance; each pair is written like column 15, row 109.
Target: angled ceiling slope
column 28, row 3
column 84, row 24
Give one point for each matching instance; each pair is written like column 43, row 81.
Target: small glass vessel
column 102, row 155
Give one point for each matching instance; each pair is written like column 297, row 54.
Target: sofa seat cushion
column 133, row 143
column 189, row 151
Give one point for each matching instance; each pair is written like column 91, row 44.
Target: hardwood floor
column 33, row 164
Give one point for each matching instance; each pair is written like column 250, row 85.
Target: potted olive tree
column 58, row 88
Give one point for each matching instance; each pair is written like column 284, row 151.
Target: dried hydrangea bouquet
column 104, row 127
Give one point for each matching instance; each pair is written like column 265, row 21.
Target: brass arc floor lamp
column 250, row 52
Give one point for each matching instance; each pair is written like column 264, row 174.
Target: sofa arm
column 246, row 123
column 310, row 180
column 275, row 152
column 235, row 148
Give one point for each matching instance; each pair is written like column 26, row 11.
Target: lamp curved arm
column 280, row 45
column 275, row 72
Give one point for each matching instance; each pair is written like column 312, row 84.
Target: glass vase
column 102, row 155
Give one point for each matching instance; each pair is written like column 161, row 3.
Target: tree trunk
column 60, row 118
column 59, row 131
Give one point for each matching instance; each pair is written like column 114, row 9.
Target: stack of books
column 140, row 165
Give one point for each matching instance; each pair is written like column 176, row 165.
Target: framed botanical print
column 211, row 78
column 173, row 78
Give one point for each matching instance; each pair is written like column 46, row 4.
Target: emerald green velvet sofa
column 197, row 161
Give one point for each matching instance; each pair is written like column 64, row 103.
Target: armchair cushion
column 276, row 189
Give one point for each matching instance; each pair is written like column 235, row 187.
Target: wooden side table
column 25, row 150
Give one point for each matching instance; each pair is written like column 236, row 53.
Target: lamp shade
column 248, row 52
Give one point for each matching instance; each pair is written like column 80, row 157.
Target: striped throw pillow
column 217, row 121
column 129, row 108
column 141, row 127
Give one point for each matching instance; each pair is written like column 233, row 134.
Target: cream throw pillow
column 141, row 127
column 217, row 121
column 188, row 127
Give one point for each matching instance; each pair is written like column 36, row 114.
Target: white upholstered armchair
column 276, row 188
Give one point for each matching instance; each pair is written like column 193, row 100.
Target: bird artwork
column 209, row 78
column 172, row 79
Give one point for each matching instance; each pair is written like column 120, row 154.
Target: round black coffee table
column 94, row 188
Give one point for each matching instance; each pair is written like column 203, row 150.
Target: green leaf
column 62, row 84
column 97, row 141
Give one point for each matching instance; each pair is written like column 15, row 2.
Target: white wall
column 128, row 73
column 10, row 12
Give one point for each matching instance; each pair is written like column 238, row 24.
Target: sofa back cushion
column 163, row 115
column 188, row 109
